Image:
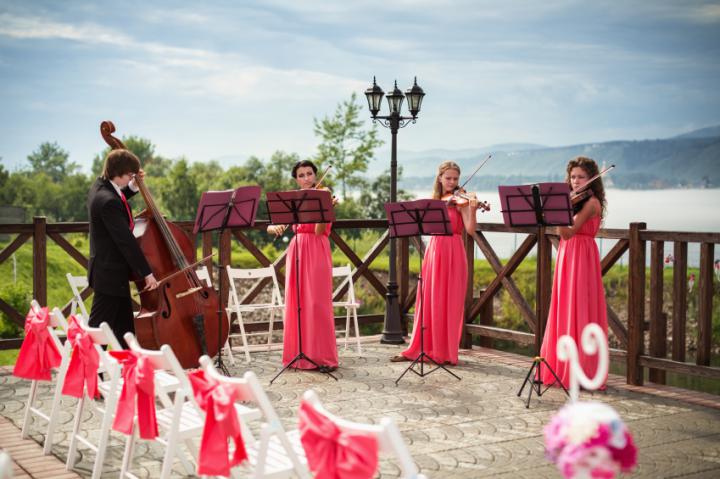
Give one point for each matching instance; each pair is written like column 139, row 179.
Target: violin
column 580, row 196
column 584, row 192
column 316, row 186
column 461, row 198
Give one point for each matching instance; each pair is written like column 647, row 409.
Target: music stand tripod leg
column 421, row 357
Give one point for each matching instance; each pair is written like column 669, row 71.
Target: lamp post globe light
column 392, row 331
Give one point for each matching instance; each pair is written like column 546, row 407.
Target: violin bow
column 587, row 184
column 475, row 172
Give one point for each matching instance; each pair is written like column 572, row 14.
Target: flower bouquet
column 589, row 440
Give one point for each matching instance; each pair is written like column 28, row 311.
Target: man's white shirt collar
column 118, row 190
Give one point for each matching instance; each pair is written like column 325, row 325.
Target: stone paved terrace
column 472, row 428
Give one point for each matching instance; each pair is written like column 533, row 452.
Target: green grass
column 8, row 357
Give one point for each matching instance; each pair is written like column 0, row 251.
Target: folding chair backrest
column 388, row 435
column 346, row 273
column 248, row 387
column 77, row 284
column 57, row 325
column 253, row 273
column 100, row 336
column 161, row 360
column 204, row 275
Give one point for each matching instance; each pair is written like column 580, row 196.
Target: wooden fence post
column 636, row 305
column 679, row 300
column 705, row 297
column 658, row 319
column 224, row 260
column 40, row 260
column 403, row 268
column 470, row 258
column 543, row 290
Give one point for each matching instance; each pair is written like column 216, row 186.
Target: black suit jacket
column 114, row 252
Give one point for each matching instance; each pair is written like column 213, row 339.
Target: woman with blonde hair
column 444, row 273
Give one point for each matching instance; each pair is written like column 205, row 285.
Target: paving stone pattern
column 473, row 428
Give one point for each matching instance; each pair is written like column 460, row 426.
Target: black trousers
column 114, row 310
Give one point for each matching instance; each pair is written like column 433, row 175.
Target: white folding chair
column 277, row 453
column 350, row 304
column 108, row 388
column 234, row 305
column 56, row 326
column 182, row 421
column 104, row 339
column 387, row 434
column 77, row 285
column 203, row 275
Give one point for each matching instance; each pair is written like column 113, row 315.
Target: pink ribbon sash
column 84, row 362
column 221, row 425
column 138, row 386
column 38, row 353
column 332, row 453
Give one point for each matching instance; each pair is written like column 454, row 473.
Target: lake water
column 693, row 210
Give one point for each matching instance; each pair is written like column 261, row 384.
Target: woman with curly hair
column 578, row 297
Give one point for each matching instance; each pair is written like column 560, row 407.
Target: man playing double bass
column 114, row 252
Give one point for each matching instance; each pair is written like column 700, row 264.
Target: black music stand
column 416, row 218
column 219, row 210
column 297, row 207
column 542, row 204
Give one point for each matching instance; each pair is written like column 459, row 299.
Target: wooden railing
column 640, row 329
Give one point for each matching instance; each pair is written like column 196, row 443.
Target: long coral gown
column 316, row 314
column 442, row 303
column 578, row 299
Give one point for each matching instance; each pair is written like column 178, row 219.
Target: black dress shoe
column 327, row 369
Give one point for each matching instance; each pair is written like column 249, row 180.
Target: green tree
column 373, row 199
column 178, row 191
column 52, row 160
column 346, row 145
column 154, row 165
column 5, row 198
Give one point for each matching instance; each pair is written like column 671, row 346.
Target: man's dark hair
column 120, row 162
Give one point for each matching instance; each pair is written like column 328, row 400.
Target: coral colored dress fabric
column 316, row 315
column 578, row 299
column 442, row 303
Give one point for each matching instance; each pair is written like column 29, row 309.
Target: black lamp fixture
column 392, row 331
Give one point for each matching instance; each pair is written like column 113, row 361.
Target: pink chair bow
column 221, row 424
column 138, row 382
column 84, row 363
column 38, row 353
column 332, row 453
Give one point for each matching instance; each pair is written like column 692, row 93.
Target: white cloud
column 189, row 70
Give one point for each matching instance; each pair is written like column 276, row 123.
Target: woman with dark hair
column 578, row 297
column 312, row 247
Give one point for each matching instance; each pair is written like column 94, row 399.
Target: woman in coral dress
column 578, row 297
column 312, row 247
column 444, row 278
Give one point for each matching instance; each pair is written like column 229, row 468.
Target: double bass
column 182, row 312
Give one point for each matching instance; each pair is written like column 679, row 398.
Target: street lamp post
column 392, row 331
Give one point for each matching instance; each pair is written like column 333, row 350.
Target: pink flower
column 588, row 439
column 627, row 456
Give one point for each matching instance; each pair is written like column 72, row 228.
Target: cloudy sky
column 227, row 79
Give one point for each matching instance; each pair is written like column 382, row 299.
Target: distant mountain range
column 688, row 160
